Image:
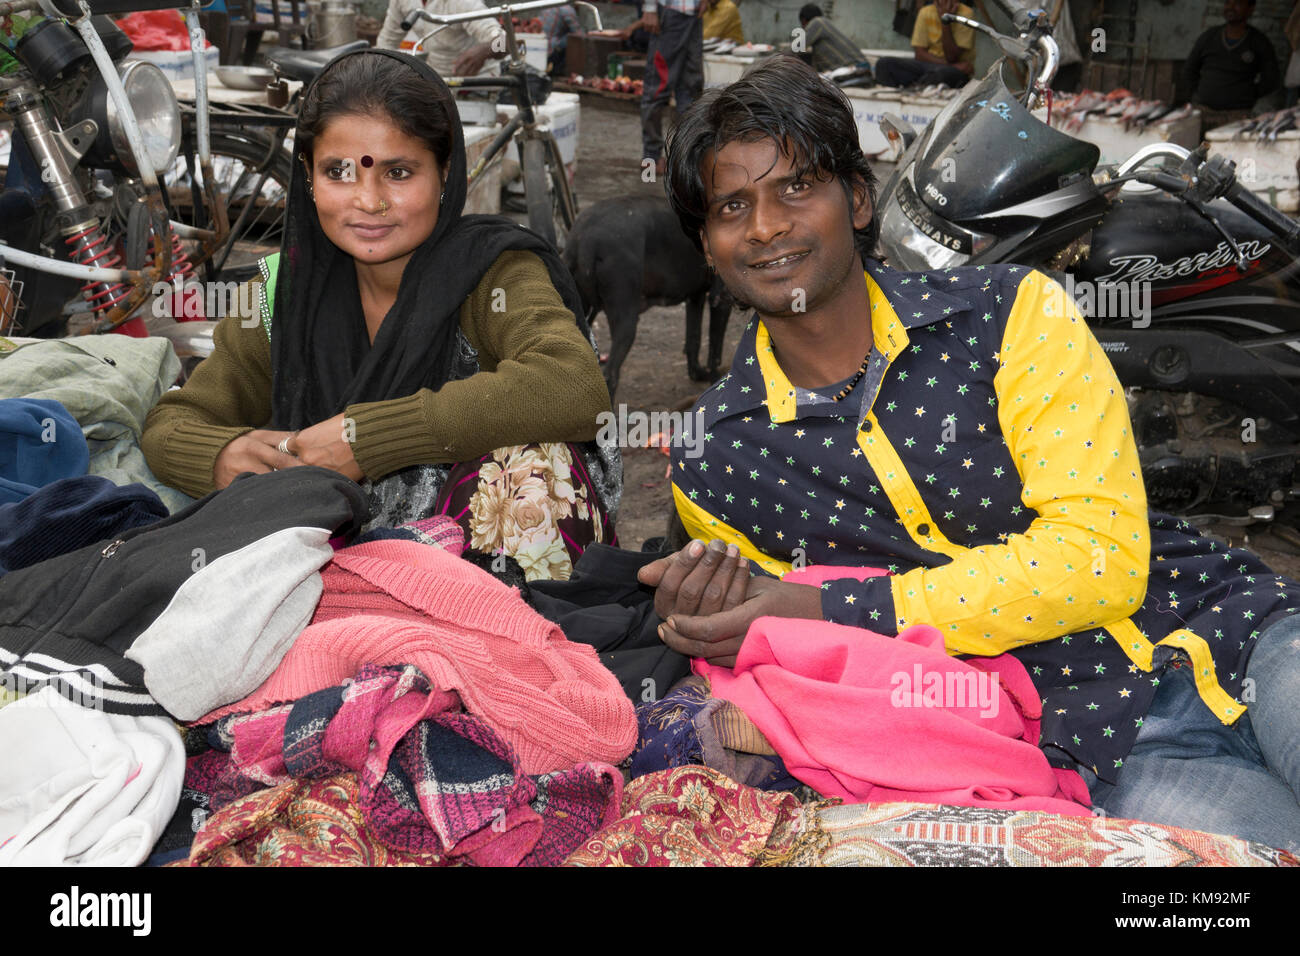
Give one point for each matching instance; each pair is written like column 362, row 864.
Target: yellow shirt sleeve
column 928, row 32
column 1083, row 561
column 927, row 22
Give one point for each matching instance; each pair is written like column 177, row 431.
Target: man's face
column 1237, row 11
column 780, row 243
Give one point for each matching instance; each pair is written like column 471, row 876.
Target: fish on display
column 1182, row 112
column 1158, row 111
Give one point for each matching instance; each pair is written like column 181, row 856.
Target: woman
column 403, row 344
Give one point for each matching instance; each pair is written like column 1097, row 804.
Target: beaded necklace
column 862, row 370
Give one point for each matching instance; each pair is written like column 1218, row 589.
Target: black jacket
column 69, row 621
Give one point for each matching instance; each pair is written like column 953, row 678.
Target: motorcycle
column 86, row 225
column 1190, row 283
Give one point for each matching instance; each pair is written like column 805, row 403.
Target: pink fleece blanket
column 870, row 718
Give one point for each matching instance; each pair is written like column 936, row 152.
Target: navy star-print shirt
column 985, row 458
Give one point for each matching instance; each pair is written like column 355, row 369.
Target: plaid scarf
column 430, row 779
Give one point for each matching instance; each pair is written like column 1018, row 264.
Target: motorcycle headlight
column 911, row 250
column 156, row 112
column 917, row 240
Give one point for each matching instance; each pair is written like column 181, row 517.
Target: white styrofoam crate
column 871, row 104
column 534, row 49
column 560, row 114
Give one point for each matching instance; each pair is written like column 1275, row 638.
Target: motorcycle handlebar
column 1274, row 220
column 1279, row 223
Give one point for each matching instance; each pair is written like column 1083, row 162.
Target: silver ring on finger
column 284, row 445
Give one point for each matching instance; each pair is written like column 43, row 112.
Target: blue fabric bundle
column 39, row 444
column 70, row 514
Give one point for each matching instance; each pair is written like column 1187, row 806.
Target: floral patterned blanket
column 694, row 816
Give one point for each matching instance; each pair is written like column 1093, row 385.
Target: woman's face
column 376, row 188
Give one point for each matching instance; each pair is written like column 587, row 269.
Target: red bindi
column 367, row 161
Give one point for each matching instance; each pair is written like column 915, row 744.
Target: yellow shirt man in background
column 928, row 35
column 722, row 22
column 944, row 52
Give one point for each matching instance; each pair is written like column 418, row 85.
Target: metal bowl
column 244, row 77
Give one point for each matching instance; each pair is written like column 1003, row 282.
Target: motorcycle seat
column 305, row 64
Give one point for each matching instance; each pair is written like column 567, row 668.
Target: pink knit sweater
column 399, row 602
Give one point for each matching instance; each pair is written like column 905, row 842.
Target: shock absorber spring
column 90, row 248
column 186, row 303
column 181, row 265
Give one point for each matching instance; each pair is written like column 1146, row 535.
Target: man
column 944, row 52
column 674, row 68
column 1230, row 67
column 963, row 429
column 825, row 47
column 722, row 22
column 559, row 23
column 635, row 37
column 462, row 49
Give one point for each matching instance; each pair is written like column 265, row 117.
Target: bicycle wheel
column 564, row 204
column 240, row 161
column 537, row 190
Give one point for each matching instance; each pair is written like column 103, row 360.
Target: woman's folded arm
column 228, row 395
column 540, row 381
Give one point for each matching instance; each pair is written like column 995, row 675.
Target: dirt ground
column 654, row 376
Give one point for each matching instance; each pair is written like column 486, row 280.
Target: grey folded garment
column 231, row 624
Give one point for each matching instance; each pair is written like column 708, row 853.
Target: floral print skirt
column 534, row 503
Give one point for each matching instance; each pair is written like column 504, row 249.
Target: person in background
column 674, row 68
column 559, row 23
column 1229, row 68
column 825, row 46
column 462, row 49
column 722, row 22
column 635, row 36
column 945, row 52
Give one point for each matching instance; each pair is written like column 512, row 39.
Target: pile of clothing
column 248, row 679
column 394, row 660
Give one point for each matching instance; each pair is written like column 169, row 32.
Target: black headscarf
column 322, row 358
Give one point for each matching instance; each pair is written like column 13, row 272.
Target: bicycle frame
column 141, row 280
column 524, row 122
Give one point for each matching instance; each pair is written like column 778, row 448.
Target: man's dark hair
column 808, row 11
column 783, row 100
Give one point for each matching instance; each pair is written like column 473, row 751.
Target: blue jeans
column 1189, row 770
